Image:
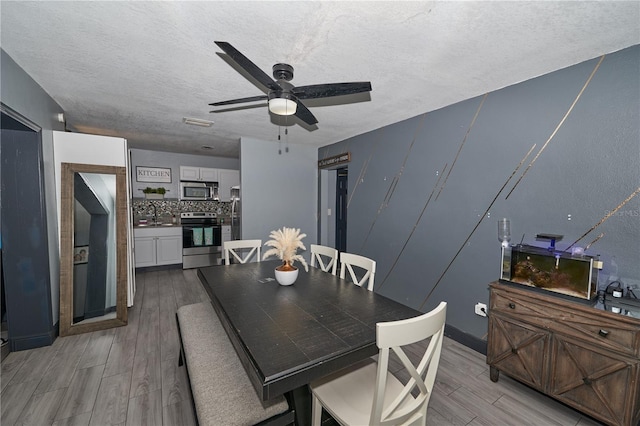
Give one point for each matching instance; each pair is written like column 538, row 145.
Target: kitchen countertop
column 159, row 225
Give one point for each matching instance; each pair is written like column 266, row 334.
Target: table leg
column 301, row 400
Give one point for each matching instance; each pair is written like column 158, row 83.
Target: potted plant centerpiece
column 285, row 243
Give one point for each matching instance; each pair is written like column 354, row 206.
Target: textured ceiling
column 135, row 69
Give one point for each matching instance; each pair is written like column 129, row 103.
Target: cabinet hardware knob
column 587, row 381
column 603, row 333
column 512, row 305
column 514, row 350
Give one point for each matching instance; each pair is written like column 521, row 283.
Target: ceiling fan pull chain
column 279, row 142
column 286, row 133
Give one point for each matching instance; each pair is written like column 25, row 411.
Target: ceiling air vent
column 197, row 122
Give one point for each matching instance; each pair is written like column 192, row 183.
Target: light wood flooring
column 130, row 375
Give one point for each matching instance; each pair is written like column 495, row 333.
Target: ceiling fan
column 284, row 98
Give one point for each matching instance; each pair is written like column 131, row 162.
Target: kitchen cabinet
column 226, row 233
column 200, row 174
column 584, row 357
column 158, row 246
column 227, row 179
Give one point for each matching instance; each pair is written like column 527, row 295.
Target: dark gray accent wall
column 425, row 194
column 25, row 249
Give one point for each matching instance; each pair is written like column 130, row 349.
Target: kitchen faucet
column 155, row 214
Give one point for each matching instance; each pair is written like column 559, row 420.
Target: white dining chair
column 325, row 257
column 349, row 260
column 368, row 394
column 237, row 249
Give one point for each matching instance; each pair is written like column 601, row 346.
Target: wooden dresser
column 584, row 357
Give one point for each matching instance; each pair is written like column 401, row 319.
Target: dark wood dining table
column 288, row 336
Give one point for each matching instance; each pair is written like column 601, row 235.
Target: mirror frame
column 67, row 201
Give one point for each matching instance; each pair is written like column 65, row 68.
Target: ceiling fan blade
column 251, row 68
column 327, row 90
column 240, row 108
column 303, row 113
column 241, row 100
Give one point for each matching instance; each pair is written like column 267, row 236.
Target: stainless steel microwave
column 198, row 191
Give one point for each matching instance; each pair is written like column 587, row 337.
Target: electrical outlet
column 481, row 309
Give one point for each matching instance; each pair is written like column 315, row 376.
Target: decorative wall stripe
column 394, row 182
column 593, row 242
column 463, row 142
column 363, row 170
column 477, row 225
column 575, row 101
column 607, row 216
column 415, row 225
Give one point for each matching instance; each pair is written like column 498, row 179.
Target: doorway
column 342, row 186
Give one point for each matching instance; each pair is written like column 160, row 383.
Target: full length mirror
column 93, row 248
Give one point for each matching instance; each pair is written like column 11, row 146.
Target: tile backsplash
column 143, row 209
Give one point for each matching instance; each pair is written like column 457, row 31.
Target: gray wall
column 278, row 189
column 434, row 235
column 23, row 95
column 145, row 158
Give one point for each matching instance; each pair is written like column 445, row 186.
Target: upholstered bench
column 222, row 392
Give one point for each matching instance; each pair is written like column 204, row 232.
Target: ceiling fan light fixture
column 282, row 106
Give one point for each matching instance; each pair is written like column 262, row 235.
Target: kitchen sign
column 334, row 160
column 153, row 174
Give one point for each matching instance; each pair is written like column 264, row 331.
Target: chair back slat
column 370, row 393
column 349, row 260
column 236, row 247
column 321, row 254
column 395, row 335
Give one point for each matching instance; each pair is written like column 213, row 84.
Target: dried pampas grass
column 285, row 243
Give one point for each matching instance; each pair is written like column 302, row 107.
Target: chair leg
column 316, row 412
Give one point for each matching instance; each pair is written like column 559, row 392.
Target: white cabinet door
column 158, row 246
column 169, row 250
column 208, row 175
column 201, row 174
column 189, row 173
column 227, row 179
column 145, row 251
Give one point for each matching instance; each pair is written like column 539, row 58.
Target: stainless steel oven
column 201, row 240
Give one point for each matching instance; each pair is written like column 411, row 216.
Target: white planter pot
column 154, row 196
column 286, row 277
